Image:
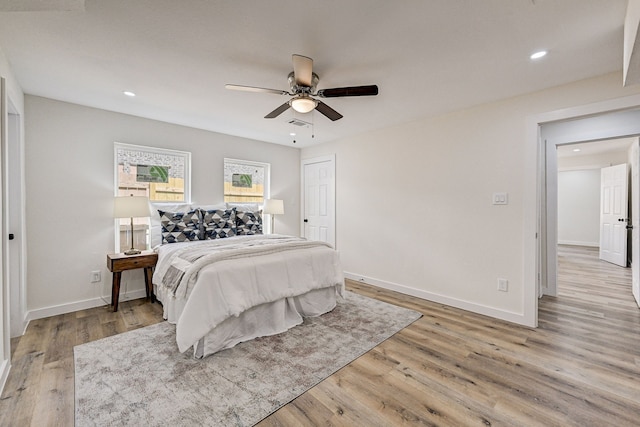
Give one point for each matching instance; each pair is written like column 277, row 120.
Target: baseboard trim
column 55, row 310
column 5, row 367
column 509, row 316
column 576, row 243
column 25, row 323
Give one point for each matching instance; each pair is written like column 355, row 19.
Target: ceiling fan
column 303, row 82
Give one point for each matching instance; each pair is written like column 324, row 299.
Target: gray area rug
column 138, row 378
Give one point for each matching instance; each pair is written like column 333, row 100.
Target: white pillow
column 218, row 206
column 246, row 207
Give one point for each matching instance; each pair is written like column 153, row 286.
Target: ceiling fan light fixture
column 303, row 104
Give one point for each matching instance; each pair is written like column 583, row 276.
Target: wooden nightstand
column 117, row 263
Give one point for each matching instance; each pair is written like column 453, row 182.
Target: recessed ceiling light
column 292, row 134
column 538, row 55
column 129, row 93
column 575, row 150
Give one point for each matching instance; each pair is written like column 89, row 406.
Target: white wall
column 579, row 207
column 414, row 202
column 14, row 91
column 69, row 181
column 631, row 51
column 414, row 208
column 579, row 196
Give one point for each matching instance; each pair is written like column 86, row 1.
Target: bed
column 221, row 288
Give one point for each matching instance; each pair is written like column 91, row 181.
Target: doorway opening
column 606, row 125
column 584, row 205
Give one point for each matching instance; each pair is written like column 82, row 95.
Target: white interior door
column 318, row 184
column 613, row 214
column 634, row 158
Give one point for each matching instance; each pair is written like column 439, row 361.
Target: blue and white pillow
column 218, row 223
column 180, row 226
column 248, row 222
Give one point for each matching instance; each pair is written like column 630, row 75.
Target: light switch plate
column 500, row 198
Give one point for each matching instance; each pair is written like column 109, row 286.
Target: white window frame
column 155, row 150
column 267, row 173
column 266, row 225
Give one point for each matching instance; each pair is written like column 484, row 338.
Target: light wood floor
column 581, row 367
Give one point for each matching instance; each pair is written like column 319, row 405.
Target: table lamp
column 273, row 207
column 131, row 207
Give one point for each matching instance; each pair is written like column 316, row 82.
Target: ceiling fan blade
column 275, row 113
column 348, row 91
column 256, row 89
column 302, row 70
column 329, row 112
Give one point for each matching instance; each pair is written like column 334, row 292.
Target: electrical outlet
column 96, row 276
column 503, row 285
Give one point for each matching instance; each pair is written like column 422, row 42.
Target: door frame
column 5, row 344
column 633, row 156
column 331, row 159
column 540, row 222
column 14, row 211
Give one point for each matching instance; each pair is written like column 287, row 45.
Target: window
column 160, row 174
column 246, row 181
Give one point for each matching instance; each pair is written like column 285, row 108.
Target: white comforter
column 237, row 274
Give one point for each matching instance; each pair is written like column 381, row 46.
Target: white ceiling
column 595, row 148
column 427, row 57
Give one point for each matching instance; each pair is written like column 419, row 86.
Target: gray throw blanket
column 184, row 264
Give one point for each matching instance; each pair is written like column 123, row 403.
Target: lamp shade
column 273, row 207
column 131, row 207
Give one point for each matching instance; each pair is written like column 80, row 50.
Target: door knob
column 11, row 236
column 306, row 220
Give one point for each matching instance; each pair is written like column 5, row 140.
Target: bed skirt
column 263, row 320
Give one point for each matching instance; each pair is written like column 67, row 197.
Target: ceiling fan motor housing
column 298, row 89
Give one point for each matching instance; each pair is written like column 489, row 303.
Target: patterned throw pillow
column 180, row 226
column 248, row 222
column 218, row 223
